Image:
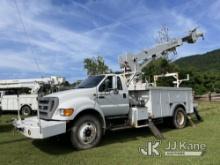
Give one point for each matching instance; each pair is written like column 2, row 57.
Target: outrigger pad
column 199, row 118
column 190, row 121
column 155, row 130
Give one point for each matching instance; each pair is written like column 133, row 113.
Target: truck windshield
column 91, row 81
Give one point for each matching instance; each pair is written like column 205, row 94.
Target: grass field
column 119, row 147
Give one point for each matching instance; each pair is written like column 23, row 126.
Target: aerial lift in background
column 21, row 94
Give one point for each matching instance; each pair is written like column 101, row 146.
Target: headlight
column 66, row 111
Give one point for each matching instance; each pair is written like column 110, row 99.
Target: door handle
column 101, row 97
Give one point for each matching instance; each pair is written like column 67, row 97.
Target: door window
column 107, row 85
column 119, row 84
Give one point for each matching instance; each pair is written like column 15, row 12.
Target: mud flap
column 190, row 121
column 156, row 132
column 196, row 112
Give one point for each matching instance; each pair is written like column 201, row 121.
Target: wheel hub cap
column 87, row 133
column 180, row 118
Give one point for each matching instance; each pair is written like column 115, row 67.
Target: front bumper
column 34, row 128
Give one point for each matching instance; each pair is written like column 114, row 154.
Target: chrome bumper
column 34, row 128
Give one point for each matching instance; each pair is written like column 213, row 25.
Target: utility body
column 112, row 102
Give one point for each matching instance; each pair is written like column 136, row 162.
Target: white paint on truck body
column 138, row 105
column 15, row 102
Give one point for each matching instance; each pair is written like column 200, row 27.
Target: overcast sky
column 51, row 37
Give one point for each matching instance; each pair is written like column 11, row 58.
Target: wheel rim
column 25, row 111
column 180, row 118
column 87, row 133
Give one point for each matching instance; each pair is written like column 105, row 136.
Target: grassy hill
column 209, row 61
column 204, row 71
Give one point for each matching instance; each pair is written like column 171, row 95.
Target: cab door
column 112, row 97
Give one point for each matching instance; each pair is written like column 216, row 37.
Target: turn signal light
column 66, row 111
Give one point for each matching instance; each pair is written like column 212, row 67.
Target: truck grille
column 47, row 106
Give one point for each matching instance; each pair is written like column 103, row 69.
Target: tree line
column 201, row 82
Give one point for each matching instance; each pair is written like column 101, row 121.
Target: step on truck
column 112, row 102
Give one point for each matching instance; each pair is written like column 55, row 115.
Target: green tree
column 157, row 67
column 95, row 66
column 201, row 81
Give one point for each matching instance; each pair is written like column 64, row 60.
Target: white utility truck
column 112, row 102
column 21, row 94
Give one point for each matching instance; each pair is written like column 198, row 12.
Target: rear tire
column 86, row 132
column 179, row 118
column 26, row 110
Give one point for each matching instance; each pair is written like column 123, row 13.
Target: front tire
column 86, row 132
column 179, row 118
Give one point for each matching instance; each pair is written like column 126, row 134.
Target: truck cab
column 113, row 96
column 106, row 94
column 85, row 111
